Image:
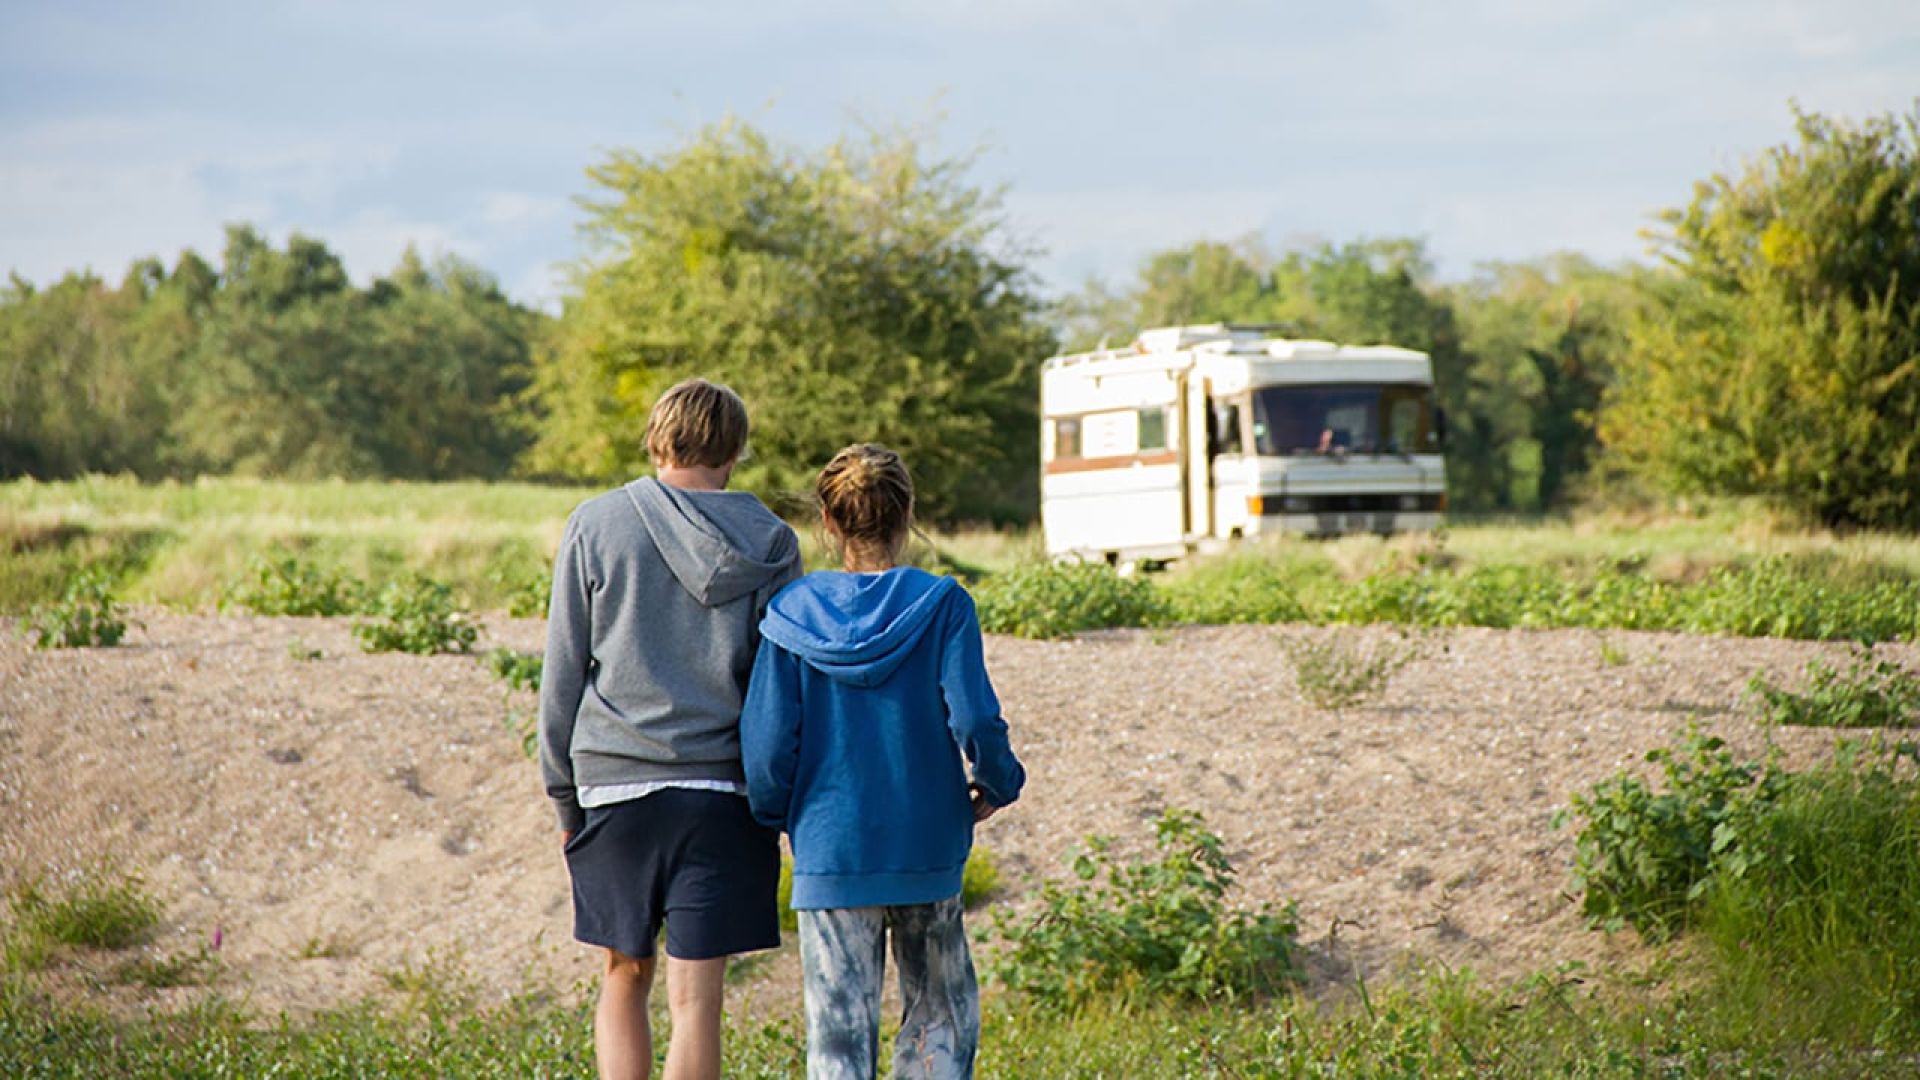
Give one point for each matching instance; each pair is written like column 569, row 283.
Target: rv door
column 1196, row 456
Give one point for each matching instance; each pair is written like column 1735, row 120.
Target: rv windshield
column 1358, row 418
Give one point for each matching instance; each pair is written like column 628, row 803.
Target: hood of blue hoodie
column 856, row 628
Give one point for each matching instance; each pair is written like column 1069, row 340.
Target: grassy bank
column 1445, row 1025
column 1730, row 568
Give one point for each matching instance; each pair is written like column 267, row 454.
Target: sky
column 1492, row 129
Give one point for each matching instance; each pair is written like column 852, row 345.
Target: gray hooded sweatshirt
column 657, row 598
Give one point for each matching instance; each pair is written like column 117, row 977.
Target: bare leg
column 622, row 1041
column 695, row 992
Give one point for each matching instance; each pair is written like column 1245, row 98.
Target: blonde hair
column 697, row 423
column 868, row 493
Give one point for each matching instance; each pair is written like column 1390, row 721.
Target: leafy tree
column 1781, row 355
column 298, row 373
column 859, row 292
column 1543, row 337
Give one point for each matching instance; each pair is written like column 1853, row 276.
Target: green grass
column 197, row 546
column 99, row 908
column 1442, row 1025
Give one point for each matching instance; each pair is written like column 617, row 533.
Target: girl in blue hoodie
column 868, row 703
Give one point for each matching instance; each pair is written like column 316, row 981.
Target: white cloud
column 514, row 208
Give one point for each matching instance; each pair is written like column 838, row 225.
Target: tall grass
column 195, row 545
column 1444, row 1025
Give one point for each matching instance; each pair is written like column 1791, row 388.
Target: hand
column 566, row 837
column 983, row 808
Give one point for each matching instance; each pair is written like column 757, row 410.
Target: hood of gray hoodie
column 720, row 545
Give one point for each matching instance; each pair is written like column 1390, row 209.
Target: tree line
column 867, row 289
column 271, row 364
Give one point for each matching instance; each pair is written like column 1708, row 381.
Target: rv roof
column 1221, row 339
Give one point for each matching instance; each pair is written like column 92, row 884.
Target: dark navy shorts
column 695, row 861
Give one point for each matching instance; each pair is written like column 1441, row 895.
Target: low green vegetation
column 1047, row 600
column 1150, row 929
column 99, row 908
column 1644, row 855
column 519, row 670
column 1869, row 692
column 1775, row 596
column 1333, row 671
column 282, row 583
column 1797, row 888
column 87, row 614
column 416, row 615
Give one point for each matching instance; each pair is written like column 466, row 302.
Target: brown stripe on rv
column 1117, row 461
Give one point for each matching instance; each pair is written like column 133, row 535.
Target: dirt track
column 341, row 818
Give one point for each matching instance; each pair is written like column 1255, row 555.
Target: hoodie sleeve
column 973, row 710
column 770, row 733
column 563, row 678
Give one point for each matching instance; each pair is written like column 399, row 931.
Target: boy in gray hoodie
column 658, row 592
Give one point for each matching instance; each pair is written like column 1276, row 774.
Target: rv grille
column 1354, row 504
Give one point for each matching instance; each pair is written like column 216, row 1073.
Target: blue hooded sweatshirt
column 867, row 692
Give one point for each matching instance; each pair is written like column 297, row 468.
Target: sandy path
column 342, row 818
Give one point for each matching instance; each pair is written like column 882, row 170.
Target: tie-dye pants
column 843, row 951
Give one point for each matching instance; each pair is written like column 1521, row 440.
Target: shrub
column 1159, row 927
column 86, row 615
column 1055, row 600
column 524, row 584
column 416, row 615
column 1330, row 673
column 285, row 584
column 520, row 670
column 1869, row 693
column 1249, row 588
column 1643, row 858
column 1826, row 920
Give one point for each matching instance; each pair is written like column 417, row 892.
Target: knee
column 697, row 989
column 633, row 973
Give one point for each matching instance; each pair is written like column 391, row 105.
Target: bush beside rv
column 1196, row 435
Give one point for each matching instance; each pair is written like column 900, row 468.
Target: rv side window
column 1153, row 429
column 1066, row 437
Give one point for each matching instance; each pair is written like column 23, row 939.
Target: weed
column 1159, row 927
column 1869, row 693
column 1818, row 938
column 524, row 725
column 193, row 968
column 333, row 945
column 97, row 909
column 86, row 615
column 1331, row 673
column 298, row 649
column 282, row 583
column 1643, row 858
column 416, row 615
column 520, row 670
column 1611, row 654
column 1246, row 588
column 1055, row 600
column 524, row 584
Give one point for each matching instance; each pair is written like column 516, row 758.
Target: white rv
column 1195, row 435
